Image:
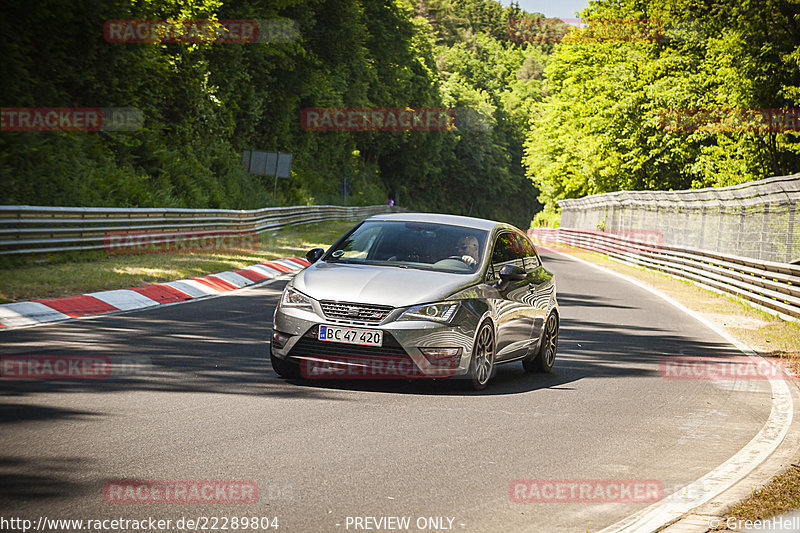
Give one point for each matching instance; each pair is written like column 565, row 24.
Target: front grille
column 310, row 346
column 370, row 314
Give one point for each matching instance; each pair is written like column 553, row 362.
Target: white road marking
column 124, row 299
column 234, row 279
column 28, row 313
column 192, row 288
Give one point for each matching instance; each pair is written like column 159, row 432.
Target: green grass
column 781, row 495
column 66, row 275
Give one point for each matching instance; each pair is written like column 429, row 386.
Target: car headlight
column 296, row 299
column 438, row 312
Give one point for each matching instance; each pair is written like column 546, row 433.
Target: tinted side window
column 531, row 260
column 507, row 251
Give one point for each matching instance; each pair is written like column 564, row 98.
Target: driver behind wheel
column 467, row 250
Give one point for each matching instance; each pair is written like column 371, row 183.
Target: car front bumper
column 295, row 338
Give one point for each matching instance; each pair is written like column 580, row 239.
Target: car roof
column 454, row 220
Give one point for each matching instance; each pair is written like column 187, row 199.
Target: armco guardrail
column 30, row 229
column 774, row 287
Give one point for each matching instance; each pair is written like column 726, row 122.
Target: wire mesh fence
column 758, row 220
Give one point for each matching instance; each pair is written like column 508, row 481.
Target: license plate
column 364, row 337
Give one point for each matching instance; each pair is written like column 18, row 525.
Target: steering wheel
column 463, row 258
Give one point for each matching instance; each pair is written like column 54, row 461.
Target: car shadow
column 221, row 345
column 594, row 350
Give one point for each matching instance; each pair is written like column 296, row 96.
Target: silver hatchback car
column 418, row 296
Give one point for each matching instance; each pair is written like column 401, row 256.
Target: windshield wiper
column 337, row 260
column 389, row 263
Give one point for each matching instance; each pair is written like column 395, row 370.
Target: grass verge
column 780, row 496
column 67, row 276
column 767, row 334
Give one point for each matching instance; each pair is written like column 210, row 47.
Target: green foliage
column 547, row 218
column 205, row 103
column 600, row 128
column 554, row 120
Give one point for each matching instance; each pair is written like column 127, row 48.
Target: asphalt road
column 205, row 405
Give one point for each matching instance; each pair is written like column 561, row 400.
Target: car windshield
column 422, row 245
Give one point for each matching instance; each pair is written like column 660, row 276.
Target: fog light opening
column 442, row 358
column 279, row 340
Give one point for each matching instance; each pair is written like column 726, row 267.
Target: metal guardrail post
column 790, row 235
column 764, row 224
column 702, row 237
column 740, row 230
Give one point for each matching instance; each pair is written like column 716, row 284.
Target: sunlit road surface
column 205, row 406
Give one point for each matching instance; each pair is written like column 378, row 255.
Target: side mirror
column 314, row 254
column 512, row 273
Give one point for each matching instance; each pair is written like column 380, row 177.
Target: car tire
column 283, row 368
column 481, row 365
column 546, row 355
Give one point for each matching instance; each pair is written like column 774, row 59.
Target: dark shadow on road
column 221, row 346
column 11, row 413
column 23, row 480
column 550, row 258
column 586, row 350
column 584, row 300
